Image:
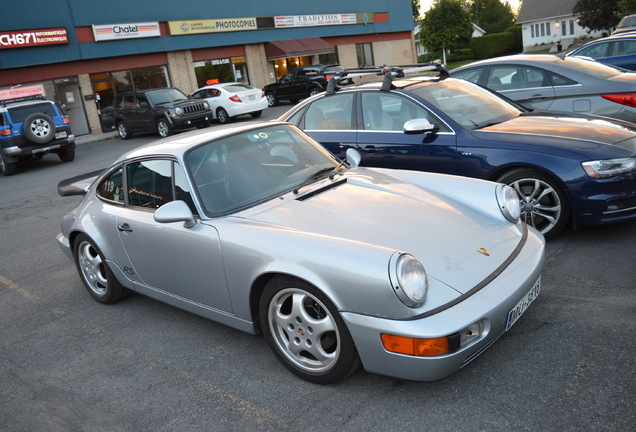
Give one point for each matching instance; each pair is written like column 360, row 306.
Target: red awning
column 297, row 48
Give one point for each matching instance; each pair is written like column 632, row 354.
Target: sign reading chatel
column 211, row 25
column 105, row 32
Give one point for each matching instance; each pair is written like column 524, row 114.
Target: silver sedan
column 258, row 227
column 550, row 83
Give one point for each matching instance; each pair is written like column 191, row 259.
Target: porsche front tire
column 306, row 332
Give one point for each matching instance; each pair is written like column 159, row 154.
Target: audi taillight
column 628, row 99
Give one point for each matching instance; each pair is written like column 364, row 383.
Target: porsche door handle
column 124, row 227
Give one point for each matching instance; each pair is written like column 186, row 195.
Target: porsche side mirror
column 175, row 211
column 353, row 157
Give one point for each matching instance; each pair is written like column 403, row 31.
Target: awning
column 297, row 48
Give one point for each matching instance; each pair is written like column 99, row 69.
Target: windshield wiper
column 312, row 178
column 487, row 125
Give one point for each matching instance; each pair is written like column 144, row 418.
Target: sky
column 426, row 4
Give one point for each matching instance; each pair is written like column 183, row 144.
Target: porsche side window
column 149, row 183
column 111, row 188
column 330, row 113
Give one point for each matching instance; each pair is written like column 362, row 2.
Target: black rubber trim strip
column 321, row 189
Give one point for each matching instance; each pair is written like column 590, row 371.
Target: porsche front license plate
column 523, row 304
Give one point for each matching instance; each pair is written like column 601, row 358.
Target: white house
column 419, row 49
column 549, row 22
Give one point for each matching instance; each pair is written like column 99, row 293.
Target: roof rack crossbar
column 390, row 72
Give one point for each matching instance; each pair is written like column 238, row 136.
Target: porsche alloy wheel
column 96, row 276
column 306, row 332
column 543, row 204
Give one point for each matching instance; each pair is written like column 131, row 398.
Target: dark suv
column 31, row 127
column 300, row 83
column 162, row 110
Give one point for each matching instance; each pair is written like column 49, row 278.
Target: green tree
column 491, row 15
column 626, row 7
column 416, row 9
column 445, row 26
column 597, row 14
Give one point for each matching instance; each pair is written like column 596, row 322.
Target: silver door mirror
column 418, row 126
column 175, row 211
column 353, row 157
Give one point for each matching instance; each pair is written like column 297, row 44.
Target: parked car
column 300, row 83
column 626, row 24
column 619, row 50
column 232, row 99
column 259, row 228
column 561, row 165
column 31, row 127
column 547, row 82
column 160, row 110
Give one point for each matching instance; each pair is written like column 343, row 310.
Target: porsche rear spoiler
column 77, row 185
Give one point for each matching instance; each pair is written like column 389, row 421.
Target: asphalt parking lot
column 71, row 364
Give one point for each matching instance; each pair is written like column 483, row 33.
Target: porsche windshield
column 241, row 170
column 466, row 103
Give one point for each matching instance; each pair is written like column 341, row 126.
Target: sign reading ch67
column 29, row 38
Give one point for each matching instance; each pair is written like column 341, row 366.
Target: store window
column 329, row 58
column 282, row 66
column 364, row 53
column 107, row 84
column 216, row 71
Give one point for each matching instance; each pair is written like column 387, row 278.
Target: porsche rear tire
column 98, row 279
column 306, row 332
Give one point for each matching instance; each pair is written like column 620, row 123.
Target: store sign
column 106, row 32
column 22, row 91
column 211, row 26
column 321, row 20
column 29, row 38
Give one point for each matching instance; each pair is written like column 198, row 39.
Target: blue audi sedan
column 566, row 168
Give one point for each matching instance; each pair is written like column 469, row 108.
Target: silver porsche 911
column 410, row 274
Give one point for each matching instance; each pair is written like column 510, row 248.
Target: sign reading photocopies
column 211, row 25
column 106, row 32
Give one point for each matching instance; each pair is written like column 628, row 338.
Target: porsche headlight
column 509, row 202
column 609, row 167
column 408, row 279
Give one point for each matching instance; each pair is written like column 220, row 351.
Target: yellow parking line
column 21, row 291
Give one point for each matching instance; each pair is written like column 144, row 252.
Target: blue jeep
column 31, row 127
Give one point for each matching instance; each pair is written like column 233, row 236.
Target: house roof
column 535, row 10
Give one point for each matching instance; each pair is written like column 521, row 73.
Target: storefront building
column 80, row 56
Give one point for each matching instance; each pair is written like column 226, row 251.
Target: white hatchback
column 231, row 99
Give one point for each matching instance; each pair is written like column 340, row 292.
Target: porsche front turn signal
column 415, row 346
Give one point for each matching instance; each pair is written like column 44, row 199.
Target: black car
column 161, row 110
column 300, row 83
column 31, row 127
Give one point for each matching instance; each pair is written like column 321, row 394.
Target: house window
column 542, row 29
column 571, row 27
column 547, row 29
column 532, row 31
column 364, row 53
column 563, row 28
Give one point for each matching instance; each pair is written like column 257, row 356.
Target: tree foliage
column 626, row 7
column 597, row 14
column 416, row 9
column 491, row 15
column 446, row 25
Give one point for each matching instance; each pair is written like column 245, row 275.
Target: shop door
column 68, row 95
